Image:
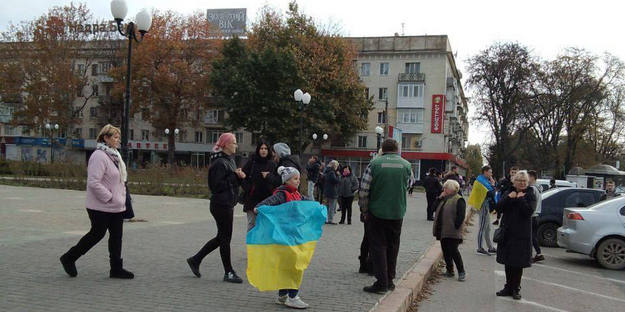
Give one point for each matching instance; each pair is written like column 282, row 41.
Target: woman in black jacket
column 348, row 186
column 515, row 250
column 223, row 180
column 257, row 184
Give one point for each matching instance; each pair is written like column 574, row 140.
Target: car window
column 622, row 211
column 579, row 199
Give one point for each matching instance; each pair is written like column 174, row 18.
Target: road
column 563, row 282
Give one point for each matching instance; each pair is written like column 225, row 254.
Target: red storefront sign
column 438, row 112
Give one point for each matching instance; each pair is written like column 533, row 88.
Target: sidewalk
column 38, row 225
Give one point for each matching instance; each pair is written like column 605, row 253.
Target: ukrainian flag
column 281, row 244
column 481, row 186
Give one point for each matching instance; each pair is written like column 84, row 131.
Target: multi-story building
column 412, row 80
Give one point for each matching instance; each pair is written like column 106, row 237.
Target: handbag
column 499, row 235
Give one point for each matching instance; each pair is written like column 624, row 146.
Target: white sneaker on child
column 296, row 303
column 281, row 299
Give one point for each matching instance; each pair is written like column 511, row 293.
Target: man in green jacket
column 383, row 203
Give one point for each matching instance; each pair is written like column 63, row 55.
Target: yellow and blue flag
column 281, row 244
column 481, row 187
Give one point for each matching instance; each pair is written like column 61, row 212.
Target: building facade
column 412, row 80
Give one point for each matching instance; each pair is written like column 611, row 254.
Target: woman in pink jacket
column 106, row 202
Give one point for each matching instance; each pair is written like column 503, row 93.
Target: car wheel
column 548, row 234
column 611, row 254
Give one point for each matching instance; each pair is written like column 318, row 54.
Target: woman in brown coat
column 450, row 213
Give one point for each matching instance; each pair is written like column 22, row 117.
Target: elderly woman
column 106, row 202
column 450, row 213
column 515, row 249
column 331, row 188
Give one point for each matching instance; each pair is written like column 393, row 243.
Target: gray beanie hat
column 282, row 149
column 287, row 173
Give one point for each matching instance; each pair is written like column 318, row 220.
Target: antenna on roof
column 402, row 28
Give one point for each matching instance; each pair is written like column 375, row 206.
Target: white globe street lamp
column 143, row 22
column 51, row 128
column 325, row 136
column 314, row 136
column 303, row 99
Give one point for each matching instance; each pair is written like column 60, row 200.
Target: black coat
column 223, row 182
column 313, row 171
column 432, row 186
column 331, row 183
column 516, row 249
column 255, row 186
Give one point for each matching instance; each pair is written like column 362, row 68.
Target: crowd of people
column 272, row 177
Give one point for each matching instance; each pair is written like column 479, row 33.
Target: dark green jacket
column 384, row 186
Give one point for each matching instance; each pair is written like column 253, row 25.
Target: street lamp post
column 51, row 128
column 172, row 147
column 143, row 22
column 303, row 99
column 378, row 131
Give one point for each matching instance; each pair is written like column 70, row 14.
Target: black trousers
column 364, row 249
column 383, row 247
column 513, row 277
column 100, row 223
column 345, row 203
column 431, row 209
column 535, row 242
column 223, row 217
column 451, row 254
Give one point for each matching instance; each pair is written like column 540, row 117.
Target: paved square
column 38, row 225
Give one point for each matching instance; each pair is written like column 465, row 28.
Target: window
column 92, row 133
column 362, row 141
column 405, row 142
column 78, row 111
column 94, row 69
column 93, row 112
column 105, row 67
column 212, row 116
column 383, row 93
column 81, row 69
column 579, row 199
column 96, row 89
column 367, row 93
column 381, row 118
column 145, row 135
column 239, row 136
column 411, row 116
column 384, row 69
column 255, row 138
column 413, row 68
column 412, row 91
column 212, row 136
column 132, row 134
column 198, row 137
column 365, row 69
column 78, row 133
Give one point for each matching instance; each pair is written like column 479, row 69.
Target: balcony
column 411, row 77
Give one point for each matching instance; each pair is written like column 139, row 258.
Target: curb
column 414, row 279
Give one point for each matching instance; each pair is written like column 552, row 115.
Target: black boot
column 69, row 264
column 505, row 292
column 516, row 294
column 117, row 270
column 195, row 266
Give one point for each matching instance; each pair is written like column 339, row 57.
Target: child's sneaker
column 296, row 303
column 282, row 299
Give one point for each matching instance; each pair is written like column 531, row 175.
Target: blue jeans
column 291, row 292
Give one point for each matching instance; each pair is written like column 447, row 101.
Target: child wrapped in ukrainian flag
column 283, row 240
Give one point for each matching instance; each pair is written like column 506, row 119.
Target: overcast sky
column 546, row 26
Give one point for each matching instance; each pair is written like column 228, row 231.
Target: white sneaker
column 281, row 299
column 296, row 303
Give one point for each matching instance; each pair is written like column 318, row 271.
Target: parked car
column 553, row 203
column 544, row 183
column 597, row 231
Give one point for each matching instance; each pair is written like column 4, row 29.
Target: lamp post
column 143, row 22
column 378, row 131
column 315, row 136
column 51, row 128
column 303, row 99
column 172, row 148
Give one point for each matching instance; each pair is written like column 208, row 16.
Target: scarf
column 117, row 159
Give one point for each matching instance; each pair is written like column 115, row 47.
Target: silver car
column 597, row 231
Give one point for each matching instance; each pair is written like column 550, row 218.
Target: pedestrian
column 312, row 170
column 330, row 188
column 481, row 199
column 320, row 181
column 287, row 192
column 504, row 186
column 433, row 188
column 610, row 190
column 106, row 203
column 223, row 181
column 382, row 199
column 411, row 183
column 365, row 258
column 515, row 250
column 257, row 185
column 537, row 210
column 347, row 189
column 448, row 220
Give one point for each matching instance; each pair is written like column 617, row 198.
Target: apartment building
column 413, row 81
